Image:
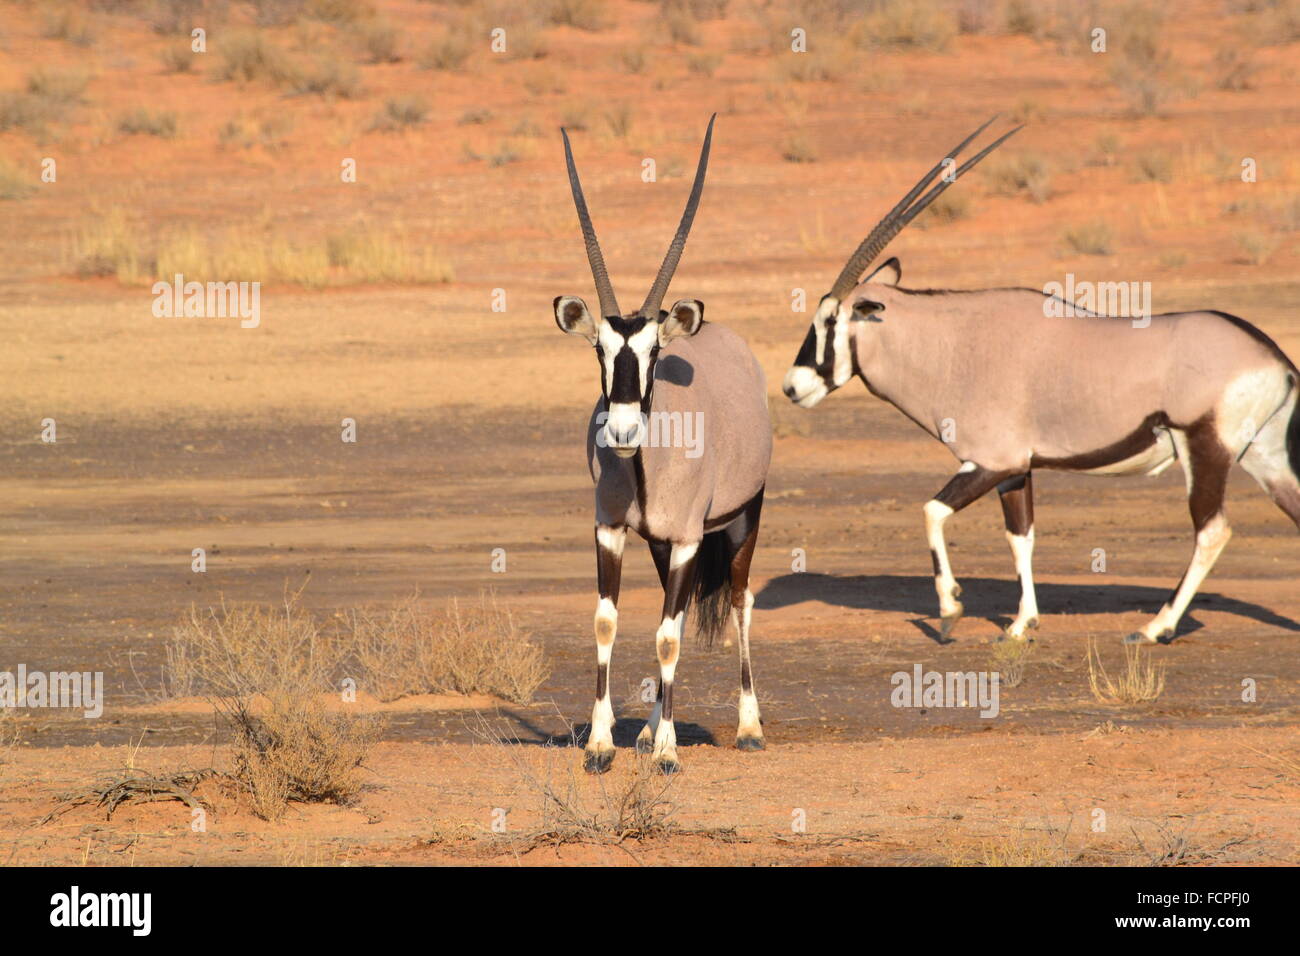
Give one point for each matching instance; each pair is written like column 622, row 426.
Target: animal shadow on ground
column 528, row 731
column 991, row 598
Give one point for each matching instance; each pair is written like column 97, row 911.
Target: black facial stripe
column 604, row 379
column 626, row 386
column 827, row 369
column 807, row 356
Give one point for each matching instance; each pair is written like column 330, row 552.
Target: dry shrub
column 1234, row 69
column 14, row 184
column 401, row 112
column 633, row 801
column 581, row 14
column 948, row 207
column 239, row 651
column 293, row 749
column 1257, row 247
column 1142, row 680
column 1141, row 67
column 248, row 57
column 1154, row 167
column 798, row 147
column 339, row 11
column 918, row 24
column 68, row 24
column 1024, row 847
column 327, row 75
column 449, row 49
column 826, row 59
column 380, row 41
column 1089, row 238
column 49, row 96
column 682, row 28
column 465, row 650
column 1020, row 173
column 1009, row 657
column 143, row 121
column 705, row 64
column 177, row 57
column 267, row 671
column 272, row 131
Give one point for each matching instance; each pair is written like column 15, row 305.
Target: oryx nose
column 626, row 436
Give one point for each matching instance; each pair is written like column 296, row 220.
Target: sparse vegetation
column 1020, row 173
column 588, row 15
column 1234, row 69
column 632, row 58
column 1090, row 239
column 1044, row 846
column 1141, row 681
column 14, row 184
column 367, row 256
column 249, row 57
column 69, row 24
column 448, row 51
column 143, row 121
column 1154, row 167
column 475, row 649
column 1008, row 658
column 1141, row 67
column 1257, row 247
column 798, row 147
column 920, row 24
column 177, row 57
column 326, row 75
column 704, row 64
column 401, row 112
column 380, row 41
column 948, row 207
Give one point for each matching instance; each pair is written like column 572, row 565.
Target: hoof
column 597, row 761
column 667, row 766
column 1021, row 638
column 750, row 743
column 1137, row 637
column 645, row 741
column 948, row 621
column 956, row 591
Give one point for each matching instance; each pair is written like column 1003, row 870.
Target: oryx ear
column 889, row 273
column 865, row 309
column 573, row 316
column 686, row 317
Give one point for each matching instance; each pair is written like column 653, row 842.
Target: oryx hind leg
column 742, row 535
column 1206, row 462
column 609, row 571
column 1273, row 459
column 969, row 484
column 1017, row 496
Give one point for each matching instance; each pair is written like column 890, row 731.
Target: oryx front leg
column 968, row 484
column 609, row 569
column 1018, row 514
column 668, row 645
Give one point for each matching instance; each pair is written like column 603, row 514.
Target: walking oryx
column 698, row 507
column 1012, row 380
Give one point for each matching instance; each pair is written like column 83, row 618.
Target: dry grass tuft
column 177, row 57
column 465, row 650
column 296, row 750
column 1046, row 846
column 590, row 15
column 68, row 24
column 449, row 49
column 915, row 24
column 949, row 207
column 14, row 184
column 1008, row 658
column 1154, row 167
column 1257, row 247
column 401, row 112
column 143, row 121
column 798, row 147
column 1142, row 681
column 1020, row 174
column 1090, row 238
column 380, row 41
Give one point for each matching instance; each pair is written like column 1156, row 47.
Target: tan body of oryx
column 679, row 446
column 674, row 492
column 1095, row 383
column 1013, row 380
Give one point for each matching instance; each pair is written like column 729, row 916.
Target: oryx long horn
column 903, row 213
column 604, row 289
column 660, row 288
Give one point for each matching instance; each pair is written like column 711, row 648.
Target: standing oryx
column 1013, row 381
column 698, row 508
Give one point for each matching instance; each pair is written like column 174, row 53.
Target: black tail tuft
column 712, row 587
column 1293, row 439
